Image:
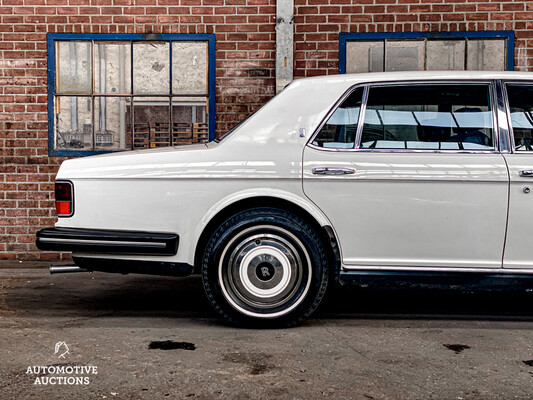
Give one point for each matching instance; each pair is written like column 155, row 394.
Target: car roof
column 418, row 76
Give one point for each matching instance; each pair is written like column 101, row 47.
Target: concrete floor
column 361, row 344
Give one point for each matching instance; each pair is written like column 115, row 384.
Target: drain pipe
column 284, row 43
column 64, row 269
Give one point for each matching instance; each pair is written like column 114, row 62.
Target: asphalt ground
column 157, row 338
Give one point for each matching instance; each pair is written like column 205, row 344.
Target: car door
column 518, row 252
column 410, row 176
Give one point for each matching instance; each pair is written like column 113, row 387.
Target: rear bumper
column 107, row 241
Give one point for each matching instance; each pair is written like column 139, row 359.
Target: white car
column 336, row 177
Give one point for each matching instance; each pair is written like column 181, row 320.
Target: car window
column 521, row 106
column 340, row 129
column 428, row 117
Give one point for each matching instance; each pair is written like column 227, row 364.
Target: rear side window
column 429, row 117
column 521, row 106
column 340, row 129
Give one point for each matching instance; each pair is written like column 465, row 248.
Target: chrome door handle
column 526, row 172
column 333, row 171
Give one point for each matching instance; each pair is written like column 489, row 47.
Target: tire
column 265, row 267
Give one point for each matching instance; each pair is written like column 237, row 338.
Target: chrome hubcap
column 264, row 271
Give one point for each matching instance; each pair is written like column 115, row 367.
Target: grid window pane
column 364, row 56
column 151, row 116
column 74, row 67
column 189, row 67
column 486, row 54
column 111, row 125
column 189, row 121
column 404, row 55
column 151, row 69
column 437, row 117
column 73, row 123
column 445, row 55
column 112, row 68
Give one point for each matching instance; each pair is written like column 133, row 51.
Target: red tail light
column 64, row 199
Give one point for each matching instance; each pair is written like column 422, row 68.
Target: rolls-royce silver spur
column 336, row 177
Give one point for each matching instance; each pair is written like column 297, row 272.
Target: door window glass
column 340, row 129
column 429, row 117
column 521, row 106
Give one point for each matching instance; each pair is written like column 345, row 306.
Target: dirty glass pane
column 151, row 118
column 151, row 71
column 436, row 117
column 74, row 67
column 521, row 106
column 189, row 67
column 73, row 123
column 445, row 55
column 189, row 121
column 340, row 129
column 486, row 54
column 111, row 125
column 404, row 55
column 364, row 56
column 112, row 68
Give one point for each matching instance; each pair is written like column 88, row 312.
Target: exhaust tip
column 65, row 269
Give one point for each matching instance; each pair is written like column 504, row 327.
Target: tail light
column 64, row 192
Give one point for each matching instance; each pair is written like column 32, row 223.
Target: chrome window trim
column 503, row 119
column 505, row 98
column 366, row 86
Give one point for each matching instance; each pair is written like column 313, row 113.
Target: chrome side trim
column 528, row 271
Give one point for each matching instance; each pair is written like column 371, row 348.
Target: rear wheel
column 265, row 267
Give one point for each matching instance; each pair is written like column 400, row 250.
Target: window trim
column 51, row 39
column 347, row 37
column 507, row 106
column 366, row 88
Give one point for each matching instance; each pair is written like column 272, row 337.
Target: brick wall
column 245, row 68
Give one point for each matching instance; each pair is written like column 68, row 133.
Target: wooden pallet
column 141, row 136
column 159, row 134
column 200, row 132
column 181, row 133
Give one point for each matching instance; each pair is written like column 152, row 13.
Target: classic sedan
column 336, row 177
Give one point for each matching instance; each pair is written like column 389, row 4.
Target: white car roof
column 353, row 79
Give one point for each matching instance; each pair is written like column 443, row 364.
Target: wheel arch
column 313, row 217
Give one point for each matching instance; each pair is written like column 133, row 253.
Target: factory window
column 426, row 51
column 122, row 92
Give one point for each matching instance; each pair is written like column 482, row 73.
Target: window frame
column 52, row 38
column 347, row 37
column 507, row 108
column 366, row 88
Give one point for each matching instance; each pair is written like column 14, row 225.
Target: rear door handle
column 526, row 173
column 333, row 171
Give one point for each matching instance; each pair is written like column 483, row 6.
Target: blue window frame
column 95, row 80
column 346, row 38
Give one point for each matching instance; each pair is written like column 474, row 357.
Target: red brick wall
column 245, row 68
